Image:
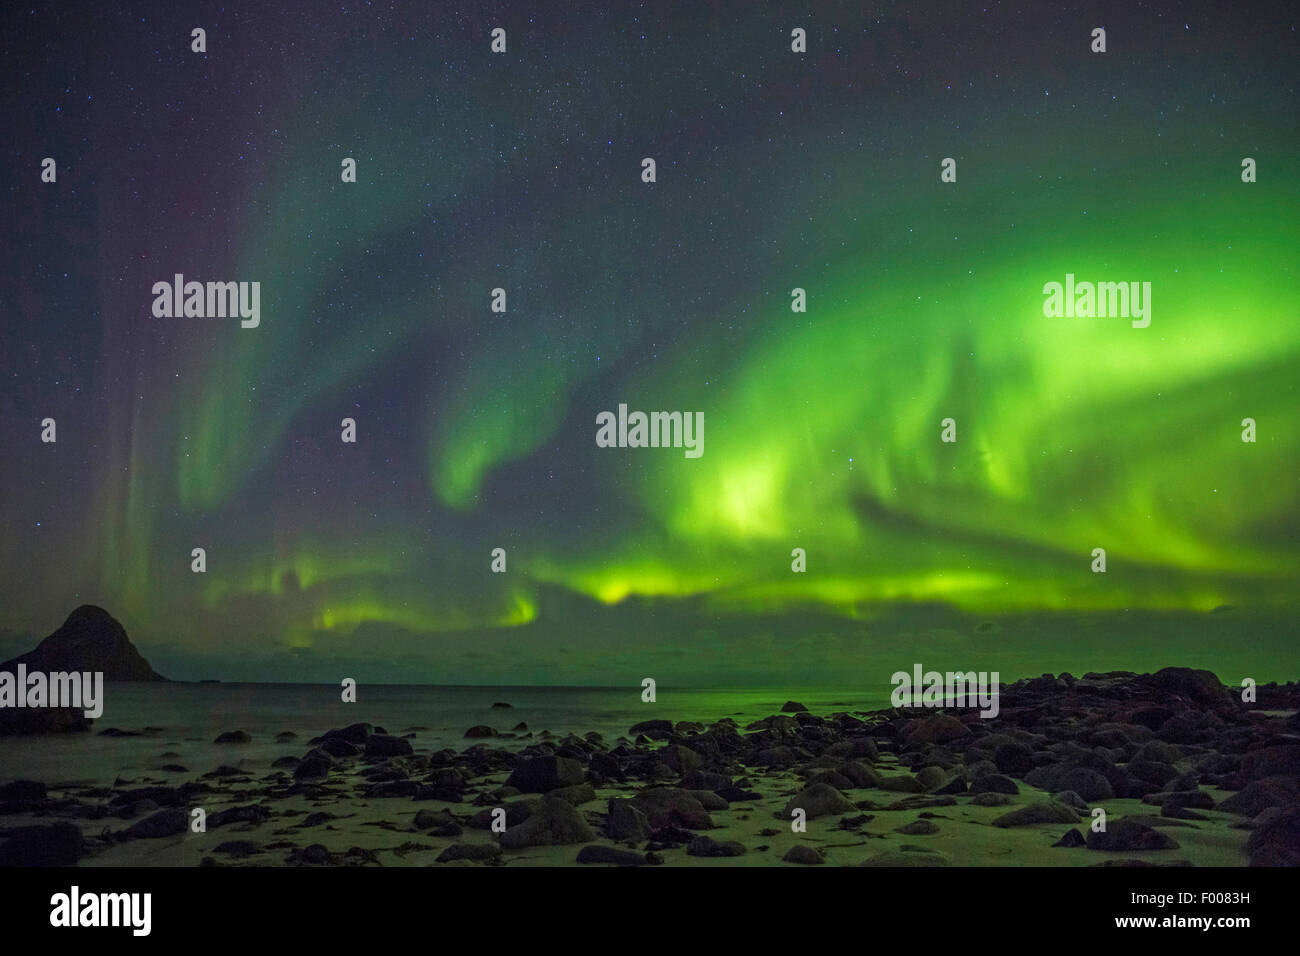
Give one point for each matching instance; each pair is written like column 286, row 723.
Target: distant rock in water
column 90, row 639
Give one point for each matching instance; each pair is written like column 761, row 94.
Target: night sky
column 476, row 429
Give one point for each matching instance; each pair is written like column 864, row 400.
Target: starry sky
column 476, row 430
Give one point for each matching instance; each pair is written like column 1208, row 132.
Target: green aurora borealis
column 476, row 430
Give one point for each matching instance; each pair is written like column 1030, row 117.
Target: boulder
column 859, row 775
column 705, row 780
column 907, row 856
column 994, row 783
column 58, row 845
column 338, row 747
column 169, row 822
column 918, row 828
column 626, row 822
column 1048, row 812
column 1071, row 839
column 681, row 760
column 668, row 806
column 707, row 846
column 543, row 774
column 654, row 729
column 554, row 822
column 599, row 853
column 805, row 855
column 312, row 767
column 479, row 852
column 22, row 790
column 1260, row 795
column 384, row 745
column 1071, row 799
column 352, row 733
column 1088, row 784
column 1275, row 841
column 1013, row 758
column 818, row 800
column 1129, row 835
column 939, row 729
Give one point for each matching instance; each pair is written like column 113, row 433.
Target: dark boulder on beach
column 164, row 823
column 705, row 780
column 1194, row 799
column 431, row 819
column 58, row 845
column 1013, row 758
column 938, row 729
column 681, row 760
column 598, row 853
column 907, row 856
column 803, row 854
column 1071, row 839
column 554, row 822
column 315, row 855
column 1282, row 760
column 1197, row 687
column 22, row 790
column 250, row 813
column 818, row 800
column 1128, row 835
column 357, row 733
column 859, row 774
column 338, row 747
column 625, row 821
column 918, row 828
column 1152, row 771
column 654, row 729
column 1275, row 840
column 517, row 812
column 1259, row 795
column 994, row 783
column 543, row 774
column 238, row 849
column 383, row 745
column 671, row 807
column 314, row 766
column 478, row 852
column 162, row 796
column 1047, row 812
column 707, row 846
column 1088, row 784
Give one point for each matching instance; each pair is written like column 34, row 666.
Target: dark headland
column 90, row 640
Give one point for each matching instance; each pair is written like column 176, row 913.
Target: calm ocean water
column 190, row 716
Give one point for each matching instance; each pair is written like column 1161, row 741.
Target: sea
column 177, row 723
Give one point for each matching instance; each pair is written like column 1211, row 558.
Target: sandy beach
column 1197, row 779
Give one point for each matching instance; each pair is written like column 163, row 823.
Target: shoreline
column 1185, row 773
